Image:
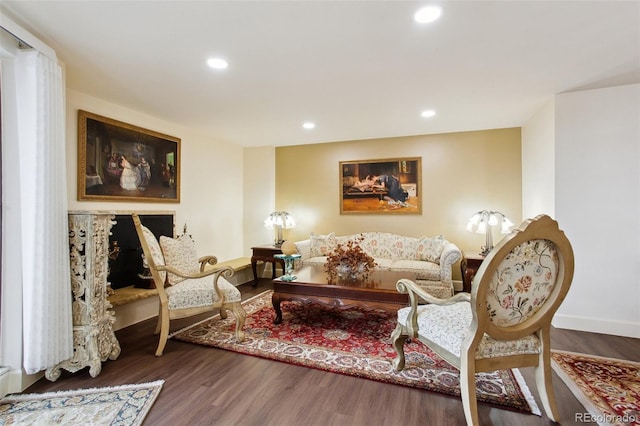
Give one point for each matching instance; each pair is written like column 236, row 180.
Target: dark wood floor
column 208, row 386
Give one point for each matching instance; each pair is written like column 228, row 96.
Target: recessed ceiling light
column 427, row 14
column 217, row 63
column 428, row 113
column 308, row 125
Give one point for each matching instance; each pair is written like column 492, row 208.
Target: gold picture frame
column 118, row 161
column 385, row 186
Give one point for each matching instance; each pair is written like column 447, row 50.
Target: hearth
column 125, row 252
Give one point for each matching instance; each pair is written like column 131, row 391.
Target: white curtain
column 46, row 288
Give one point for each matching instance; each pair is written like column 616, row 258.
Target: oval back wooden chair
column 505, row 322
column 192, row 292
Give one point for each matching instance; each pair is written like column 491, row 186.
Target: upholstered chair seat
column 197, row 292
column 448, row 326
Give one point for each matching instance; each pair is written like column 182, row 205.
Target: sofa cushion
column 423, row 270
column 405, row 248
column 430, row 248
column 304, row 248
column 318, row 260
column 322, row 245
column 180, row 253
column 375, row 244
column 383, row 264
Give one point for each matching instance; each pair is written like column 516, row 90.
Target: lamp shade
column 278, row 221
column 283, row 219
column 483, row 221
column 506, row 226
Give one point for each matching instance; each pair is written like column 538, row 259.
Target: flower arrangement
column 349, row 262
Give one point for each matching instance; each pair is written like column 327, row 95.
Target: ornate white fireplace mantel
column 93, row 338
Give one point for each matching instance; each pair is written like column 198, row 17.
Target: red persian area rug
column 608, row 388
column 355, row 341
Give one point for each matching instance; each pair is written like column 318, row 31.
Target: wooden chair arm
column 227, row 271
column 207, row 260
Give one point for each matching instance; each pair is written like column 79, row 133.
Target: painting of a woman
column 129, row 178
column 386, row 186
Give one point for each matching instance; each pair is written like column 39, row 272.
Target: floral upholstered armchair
column 505, row 322
column 191, row 289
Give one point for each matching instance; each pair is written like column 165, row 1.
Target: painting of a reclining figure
column 388, row 186
column 122, row 162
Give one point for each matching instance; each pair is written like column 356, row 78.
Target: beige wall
column 461, row 174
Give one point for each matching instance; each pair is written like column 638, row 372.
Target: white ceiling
column 358, row 69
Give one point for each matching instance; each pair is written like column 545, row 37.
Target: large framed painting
column 118, row 161
column 388, row 186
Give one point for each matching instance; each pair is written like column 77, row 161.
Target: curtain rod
column 25, row 37
column 21, row 43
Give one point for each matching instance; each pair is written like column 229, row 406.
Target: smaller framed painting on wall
column 387, row 186
column 122, row 162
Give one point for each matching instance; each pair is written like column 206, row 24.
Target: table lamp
column 277, row 221
column 482, row 223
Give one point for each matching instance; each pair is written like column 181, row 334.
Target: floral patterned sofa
column 429, row 258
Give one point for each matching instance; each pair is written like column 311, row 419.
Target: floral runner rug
column 355, row 341
column 608, row 388
column 125, row 405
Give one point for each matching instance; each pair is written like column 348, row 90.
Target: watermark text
column 606, row 418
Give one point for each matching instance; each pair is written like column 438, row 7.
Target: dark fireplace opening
column 125, row 259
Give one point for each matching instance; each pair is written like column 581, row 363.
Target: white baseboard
column 598, row 325
column 4, row 381
column 15, row 381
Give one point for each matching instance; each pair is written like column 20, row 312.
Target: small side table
column 469, row 266
column 265, row 254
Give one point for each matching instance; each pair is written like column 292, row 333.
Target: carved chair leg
column 398, row 337
column 223, row 313
column 240, row 315
column 468, row 393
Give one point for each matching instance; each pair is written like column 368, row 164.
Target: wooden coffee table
column 311, row 283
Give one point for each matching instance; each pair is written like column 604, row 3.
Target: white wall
column 598, row 205
column 211, row 200
column 538, row 163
